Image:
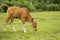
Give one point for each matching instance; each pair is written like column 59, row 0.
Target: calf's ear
column 34, row 20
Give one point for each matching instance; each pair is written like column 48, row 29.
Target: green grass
column 48, row 27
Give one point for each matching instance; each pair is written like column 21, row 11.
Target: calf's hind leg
column 6, row 21
column 12, row 25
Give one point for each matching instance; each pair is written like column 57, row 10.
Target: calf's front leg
column 6, row 21
column 23, row 25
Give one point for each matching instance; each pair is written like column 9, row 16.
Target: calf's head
column 34, row 24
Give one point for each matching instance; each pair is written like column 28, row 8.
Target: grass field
column 48, row 27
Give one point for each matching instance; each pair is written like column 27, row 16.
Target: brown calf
column 21, row 13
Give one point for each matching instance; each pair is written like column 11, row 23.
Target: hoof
column 4, row 30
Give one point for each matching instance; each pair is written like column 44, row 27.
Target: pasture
column 48, row 27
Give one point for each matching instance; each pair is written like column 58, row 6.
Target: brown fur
column 21, row 13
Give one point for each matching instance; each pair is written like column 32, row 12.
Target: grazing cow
column 21, row 13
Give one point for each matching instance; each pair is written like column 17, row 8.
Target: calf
column 21, row 13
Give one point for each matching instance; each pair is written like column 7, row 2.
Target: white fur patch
column 24, row 28
column 34, row 20
column 12, row 25
column 4, row 29
column 14, row 29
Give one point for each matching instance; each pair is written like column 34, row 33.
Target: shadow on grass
column 6, row 34
column 28, row 35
